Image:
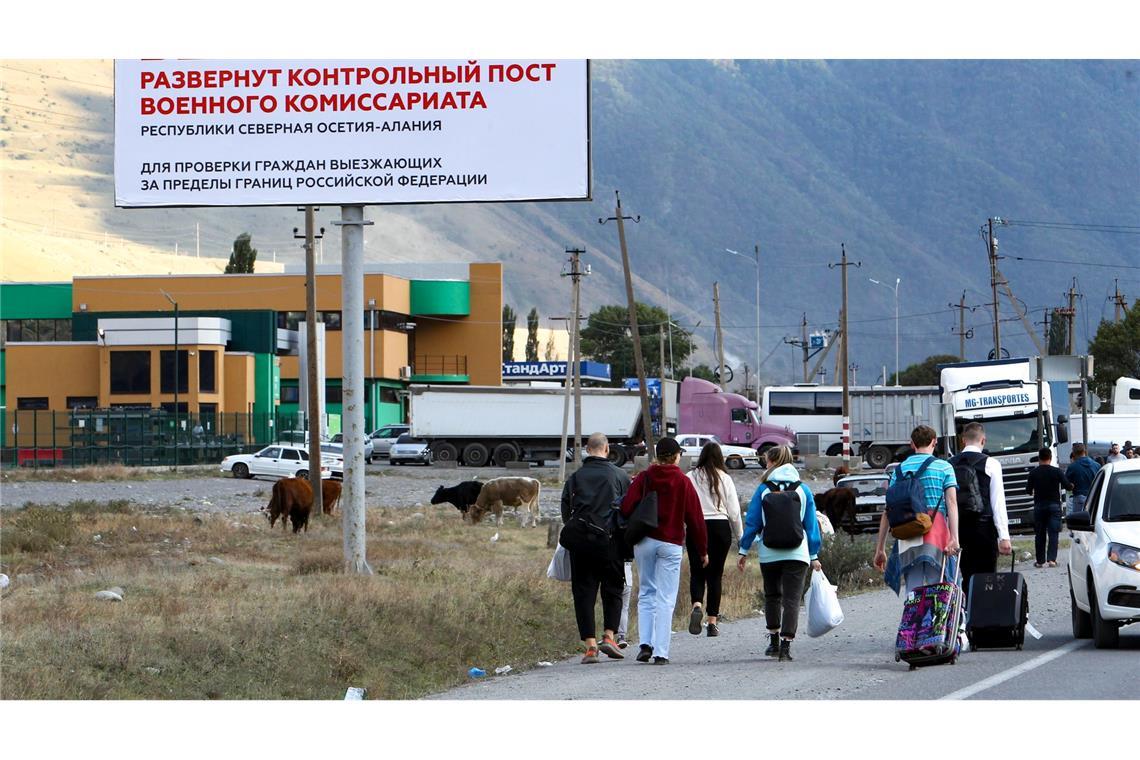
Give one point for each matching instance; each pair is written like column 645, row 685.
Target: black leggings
column 720, row 541
column 783, row 588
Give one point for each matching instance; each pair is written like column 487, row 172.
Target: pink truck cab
column 702, row 406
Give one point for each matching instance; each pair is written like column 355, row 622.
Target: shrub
column 36, row 529
column 845, row 562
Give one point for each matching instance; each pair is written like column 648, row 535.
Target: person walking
column 1044, row 485
column 983, row 528
column 591, row 493
column 721, row 507
column 919, row 561
column 1081, row 471
column 781, row 510
column 1114, row 454
column 658, row 555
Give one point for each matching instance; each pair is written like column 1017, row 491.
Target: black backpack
column 970, row 497
column 783, row 526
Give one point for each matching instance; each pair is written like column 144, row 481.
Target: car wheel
column 1105, row 633
column 735, row 463
column 1082, row 622
column 302, row 474
column 241, row 471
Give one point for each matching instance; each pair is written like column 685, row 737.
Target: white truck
column 481, row 425
column 1000, row 395
column 1123, row 424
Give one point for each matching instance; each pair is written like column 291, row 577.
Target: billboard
column 271, row 132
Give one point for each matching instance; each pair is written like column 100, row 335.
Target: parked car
column 1104, row 559
column 409, row 450
column 735, row 457
column 870, row 497
column 338, row 439
column 332, row 455
column 383, row 438
column 277, row 461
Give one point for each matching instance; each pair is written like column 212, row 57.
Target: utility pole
column 844, row 362
column 568, row 383
column 854, row 369
column 962, row 332
column 646, row 422
column 661, row 340
column 669, row 322
column 804, row 344
column 1070, row 314
column 314, row 400
column 719, row 335
column 1118, row 302
column 992, row 249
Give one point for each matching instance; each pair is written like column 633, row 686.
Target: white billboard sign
column 255, row 133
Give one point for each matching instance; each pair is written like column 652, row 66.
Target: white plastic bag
column 823, row 611
column 559, row 568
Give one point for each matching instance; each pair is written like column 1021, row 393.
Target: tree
column 703, row 371
column 510, row 319
column 548, row 354
column 532, row 335
column 605, row 339
column 925, row 372
column 1116, row 349
column 1058, row 335
column 243, row 256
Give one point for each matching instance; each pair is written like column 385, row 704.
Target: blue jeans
column 659, row 573
column 1046, row 525
column 1079, row 500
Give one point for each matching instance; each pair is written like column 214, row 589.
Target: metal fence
column 139, row 437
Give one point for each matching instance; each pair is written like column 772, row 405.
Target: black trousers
column 979, row 547
column 720, row 541
column 783, row 587
column 588, row 572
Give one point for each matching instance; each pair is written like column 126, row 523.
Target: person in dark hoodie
column 1080, row 473
column 1044, row 484
column 594, row 490
column 658, row 555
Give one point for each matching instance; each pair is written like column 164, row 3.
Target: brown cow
column 512, row 492
column 330, row 495
column 839, row 506
column 292, row 499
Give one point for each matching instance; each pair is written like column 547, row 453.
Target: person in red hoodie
column 658, row 555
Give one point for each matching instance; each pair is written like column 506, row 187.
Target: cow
column 839, row 506
column 330, row 495
column 840, row 473
column 292, row 499
column 460, row 496
column 511, row 492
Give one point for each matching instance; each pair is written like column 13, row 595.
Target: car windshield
column 1008, row 435
column 866, row 487
column 1123, row 497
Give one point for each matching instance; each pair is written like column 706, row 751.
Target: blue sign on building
column 595, row 371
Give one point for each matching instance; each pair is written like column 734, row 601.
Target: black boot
column 773, row 645
column 786, row 650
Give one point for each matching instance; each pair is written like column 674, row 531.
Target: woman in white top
column 721, row 508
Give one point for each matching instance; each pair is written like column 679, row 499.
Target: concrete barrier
column 446, row 465
column 517, row 465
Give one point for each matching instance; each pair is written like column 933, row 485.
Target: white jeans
column 623, row 626
column 659, row 571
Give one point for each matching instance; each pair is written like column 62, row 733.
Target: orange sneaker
column 591, row 656
column 610, row 649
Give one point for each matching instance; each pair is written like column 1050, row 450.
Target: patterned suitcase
column 929, row 631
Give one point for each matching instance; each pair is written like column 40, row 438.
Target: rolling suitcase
column 932, row 616
column 998, row 610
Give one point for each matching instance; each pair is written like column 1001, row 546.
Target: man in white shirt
column 985, row 533
column 1114, row 454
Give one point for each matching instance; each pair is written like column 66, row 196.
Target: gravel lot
column 207, row 490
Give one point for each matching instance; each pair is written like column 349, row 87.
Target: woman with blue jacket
column 784, row 570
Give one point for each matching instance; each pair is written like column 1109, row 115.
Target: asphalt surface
column 854, row 661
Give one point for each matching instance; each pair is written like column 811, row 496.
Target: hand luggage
column 932, row 616
column 998, row 610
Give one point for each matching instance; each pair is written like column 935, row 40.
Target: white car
column 407, row 450
column 277, row 461
column 735, row 457
column 1104, row 560
column 337, row 442
column 870, row 497
column 383, row 438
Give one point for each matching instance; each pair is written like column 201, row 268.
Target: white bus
column 814, row 411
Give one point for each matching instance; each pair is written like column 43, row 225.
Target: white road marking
column 1014, row 672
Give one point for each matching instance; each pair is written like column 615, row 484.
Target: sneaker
column 660, row 660
column 590, row 657
column 645, row 653
column 622, row 643
column 1052, row 563
column 1038, row 564
column 786, row 651
column 712, row 630
column 695, row 618
column 609, row 648
column 773, row 649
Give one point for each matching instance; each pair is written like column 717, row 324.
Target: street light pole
column 175, row 303
column 757, row 263
column 896, row 290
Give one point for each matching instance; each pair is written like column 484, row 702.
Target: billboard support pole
column 313, row 401
column 352, row 225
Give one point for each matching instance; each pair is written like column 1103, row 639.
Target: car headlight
column 1124, row 555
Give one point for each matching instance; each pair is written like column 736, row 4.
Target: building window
column 290, row 394
column 130, row 372
column 389, row 396
column 288, row 320
column 331, row 319
column 30, row 403
column 390, row 320
column 333, row 394
column 31, row 330
column 82, row 402
column 167, row 385
column 182, row 408
column 208, row 371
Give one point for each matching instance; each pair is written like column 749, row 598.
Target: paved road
column 855, row 661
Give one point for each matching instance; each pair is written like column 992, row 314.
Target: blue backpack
column 906, row 504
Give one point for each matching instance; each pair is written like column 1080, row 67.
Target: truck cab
column 730, row 416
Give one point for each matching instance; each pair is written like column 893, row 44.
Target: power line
column 1076, row 226
column 1071, row 261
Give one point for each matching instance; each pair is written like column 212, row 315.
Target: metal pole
column 176, row 384
column 757, row 249
column 1085, row 399
column 804, row 347
column 843, row 356
column 897, row 281
column 661, row 340
column 314, row 399
column 1040, row 405
column 571, row 360
column 719, row 336
column 962, row 327
column 992, row 246
column 352, row 333
column 577, row 333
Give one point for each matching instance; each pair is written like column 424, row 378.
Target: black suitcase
column 998, row 610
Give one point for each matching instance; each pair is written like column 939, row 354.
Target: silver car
column 338, row 440
column 383, row 438
column 409, row 450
